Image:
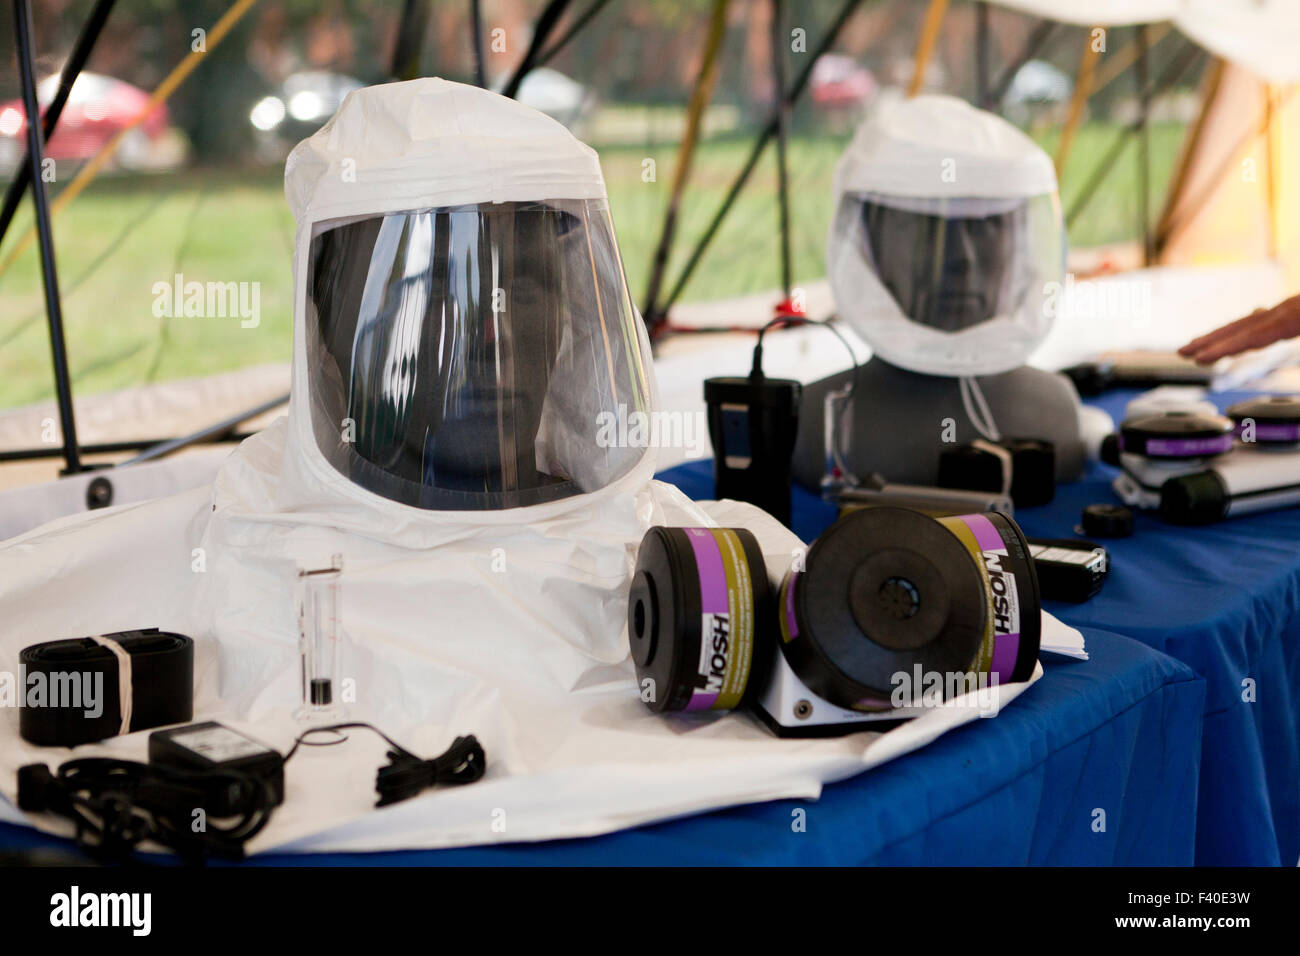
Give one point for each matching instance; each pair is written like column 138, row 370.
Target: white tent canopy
column 1262, row 36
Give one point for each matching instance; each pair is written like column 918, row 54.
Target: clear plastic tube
column 320, row 641
column 836, row 419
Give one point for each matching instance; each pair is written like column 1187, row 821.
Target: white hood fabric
column 431, row 143
column 1258, row 35
column 509, row 624
column 939, row 156
column 935, row 146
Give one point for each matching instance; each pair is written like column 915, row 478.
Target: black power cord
column 406, row 774
column 829, row 324
column 794, row 322
column 116, row 805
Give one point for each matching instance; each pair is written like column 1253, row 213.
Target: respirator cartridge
column 700, row 617
column 885, row 598
column 1273, row 420
column 1197, row 466
column 1176, row 434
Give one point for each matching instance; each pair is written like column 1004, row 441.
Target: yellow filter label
column 726, row 636
column 983, row 662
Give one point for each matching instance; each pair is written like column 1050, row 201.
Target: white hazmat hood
column 947, row 231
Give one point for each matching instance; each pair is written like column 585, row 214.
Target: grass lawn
column 124, row 234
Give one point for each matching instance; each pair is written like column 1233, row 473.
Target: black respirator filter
column 1176, row 435
column 1024, row 466
column 699, row 618
column 1271, row 420
column 888, row 590
column 1198, row 467
column 884, row 592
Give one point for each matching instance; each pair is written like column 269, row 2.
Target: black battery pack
column 977, row 467
column 212, row 747
column 753, row 423
column 1069, row 569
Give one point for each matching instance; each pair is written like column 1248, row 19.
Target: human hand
column 1262, row 327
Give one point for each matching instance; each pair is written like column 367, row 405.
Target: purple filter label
column 1268, row 432
column 1185, row 447
column 1005, row 607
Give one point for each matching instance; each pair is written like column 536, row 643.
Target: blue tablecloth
column 1117, row 734
column 1101, row 762
column 1224, row 599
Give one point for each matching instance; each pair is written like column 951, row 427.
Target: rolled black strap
column 72, row 691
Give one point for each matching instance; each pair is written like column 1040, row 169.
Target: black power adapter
column 210, row 748
column 118, row 804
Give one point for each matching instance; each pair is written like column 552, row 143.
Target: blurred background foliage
column 202, row 195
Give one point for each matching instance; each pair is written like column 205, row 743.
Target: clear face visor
column 464, row 358
column 947, row 285
column 946, row 272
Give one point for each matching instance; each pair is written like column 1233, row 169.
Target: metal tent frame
column 543, row 47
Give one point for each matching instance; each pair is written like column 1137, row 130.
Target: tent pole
column 1210, row 87
column 546, row 23
column 1171, row 75
column 826, row 42
column 1144, row 145
column 1116, row 63
column 1270, row 168
column 208, row 433
column 982, row 54
column 700, row 96
column 476, row 27
column 1082, row 89
column 925, row 43
column 1233, row 158
column 165, row 89
column 409, row 41
column 781, row 106
column 71, row 70
column 579, row 23
column 45, row 235
column 1034, row 43
column 105, row 448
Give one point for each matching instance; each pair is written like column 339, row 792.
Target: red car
column 839, row 81
column 97, row 109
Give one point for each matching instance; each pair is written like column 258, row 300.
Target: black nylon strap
column 80, row 676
